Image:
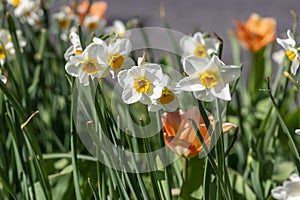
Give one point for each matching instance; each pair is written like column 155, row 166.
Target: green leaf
column 242, row 190
column 192, row 186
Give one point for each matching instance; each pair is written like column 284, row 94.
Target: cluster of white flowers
column 67, row 21
column 98, row 59
column 208, row 77
column 7, row 50
column 291, row 51
column 290, row 190
column 28, row 11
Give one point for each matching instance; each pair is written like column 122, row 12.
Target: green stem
column 73, row 150
column 162, row 144
column 147, row 149
column 211, row 160
column 291, row 142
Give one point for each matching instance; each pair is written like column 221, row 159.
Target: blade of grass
column 73, row 148
column 164, row 156
column 285, row 129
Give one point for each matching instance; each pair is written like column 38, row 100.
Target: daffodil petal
column 230, row 73
column 146, row 99
column 172, row 106
column 130, row 96
column 3, row 79
column 294, row 66
column 191, row 83
column 204, row 95
column 222, row 94
column 188, row 45
column 193, row 64
column 122, row 77
column 83, row 78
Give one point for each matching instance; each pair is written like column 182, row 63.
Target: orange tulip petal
column 98, row 9
column 256, row 33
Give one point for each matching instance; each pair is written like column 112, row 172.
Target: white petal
column 188, row 45
column 94, row 50
column 204, row 95
column 83, row 78
column 279, row 193
column 230, row 72
column 172, row 106
column 3, row 79
column 295, row 66
column 121, row 46
column 165, row 80
column 193, row 64
column 212, row 45
column 130, row 95
column 222, row 94
column 128, row 62
column 136, row 71
column 157, row 91
column 119, row 26
column 74, row 65
column 121, row 77
column 74, row 38
column 146, row 99
column 154, row 107
column 100, row 42
column 285, row 43
column 198, row 37
column 290, row 40
column 192, row 83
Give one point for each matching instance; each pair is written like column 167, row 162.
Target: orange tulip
column 97, row 8
column 179, row 134
column 256, row 33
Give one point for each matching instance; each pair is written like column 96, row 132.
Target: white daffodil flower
column 115, row 54
column 118, row 28
column 75, row 48
column 88, row 63
column 94, row 24
column 167, row 101
column 208, row 79
column 297, row 131
column 64, row 19
column 290, row 190
column 7, row 50
column 141, row 83
column 29, row 12
column 289, row 46
column 198, row 45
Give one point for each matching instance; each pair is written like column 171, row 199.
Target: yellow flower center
column 92, row 25
column 28, row 13
column 90, row 66
column 2, row 54
column 116, row 61
column 209, row 79
column 78, row 51
column 290, row 54
column 141, row 84
column 200, row 51
column 166, row 96
column 15, row 3
column 64, row 23
column 120, row 34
